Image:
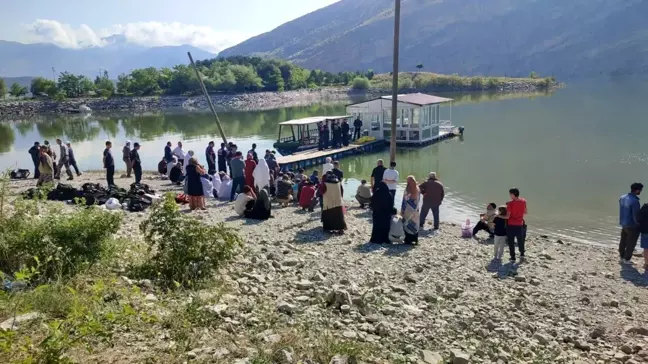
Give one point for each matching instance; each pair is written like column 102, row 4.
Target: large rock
column 287, row 308
column 338, row 297
column 15, row 322
column 638, row 330
column 459, row 357
column 431, row 357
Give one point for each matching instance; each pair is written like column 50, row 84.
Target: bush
column 186, row 250
column 58, row 244
column 476, row 83
column 360, row 83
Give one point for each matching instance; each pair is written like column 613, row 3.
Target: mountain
column 487, row 37
column 18, row 59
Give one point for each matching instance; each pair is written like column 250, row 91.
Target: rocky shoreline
column 443, row 301
column 246, row 101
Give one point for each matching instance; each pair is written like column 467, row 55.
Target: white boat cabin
column 418, row 120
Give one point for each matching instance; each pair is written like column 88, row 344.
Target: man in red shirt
column 516, row 226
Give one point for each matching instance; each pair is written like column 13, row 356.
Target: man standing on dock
column 390, row 177
column 357, row 128
column 345, row 132
column 628, row 219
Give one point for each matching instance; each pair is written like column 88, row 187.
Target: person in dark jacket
column 222, row 158
column 357, row 128
column 109, row 164
column 210, row 155
column 136, row 162
column 168, row 154
column 195, row 190
column 433, row 194
column 327, row 137
column 381, row 210
column 72, row 159
column 34, row 151
column 345, row 132
column 643, row 230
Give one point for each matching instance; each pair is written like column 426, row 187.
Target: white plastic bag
column 113, row 204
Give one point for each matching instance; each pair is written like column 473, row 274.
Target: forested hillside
column 478, row 37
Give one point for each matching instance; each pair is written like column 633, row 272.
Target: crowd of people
column 47, row 167
column 338, row 134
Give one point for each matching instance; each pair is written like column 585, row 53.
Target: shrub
column 187, row 251
column 360, row 83
column 476, row 83
column 59, row 244
column 492, row 83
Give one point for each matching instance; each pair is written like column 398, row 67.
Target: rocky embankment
column 443, row 301
column 246, row 101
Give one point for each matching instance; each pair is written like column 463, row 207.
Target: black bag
column 63, row 192
column 162, row 167
column 19, row 174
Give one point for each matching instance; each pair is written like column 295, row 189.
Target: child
column 363, row 195
column 499, row 230
column 396, row 230
column 307, row 199
column 486, row 220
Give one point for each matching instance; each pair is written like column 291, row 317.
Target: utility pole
column 53, row 74
column 209, row 101
column 394, row 111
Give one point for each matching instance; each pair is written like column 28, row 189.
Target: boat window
column 427, row 134
column 416, row 118
column 375, row 122
column 414, row 135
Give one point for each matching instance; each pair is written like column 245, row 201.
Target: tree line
column 220, row 75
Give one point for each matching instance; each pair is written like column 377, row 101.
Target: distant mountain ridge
column 486, row 37
column 19, row 59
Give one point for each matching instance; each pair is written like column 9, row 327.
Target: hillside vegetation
column 470, row 37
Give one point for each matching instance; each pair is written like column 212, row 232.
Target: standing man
column 64, row 161
column 51, row 153
column 109, row 164
column 210, row 155
column 126, row 158
column 516, row 209
column 45, row 167
column 320, row 138
column 237, row 166
column 254, row 153
column 168, row 154
column 72, row 159
column 222, row 158
column 345, row 128
column 377, row 174
column 35, row 153
column 180, row 153
column 433, row 194
column 136, row 162
column 327, row 136
column 629, row 220
column 357, row 128
column 337, row 171
column 390, row 177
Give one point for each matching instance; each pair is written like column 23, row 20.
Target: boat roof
column 313, row 120
column 418, row 99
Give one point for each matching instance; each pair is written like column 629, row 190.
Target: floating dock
column 314, row 157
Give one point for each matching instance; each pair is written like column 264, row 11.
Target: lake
column 572, row 153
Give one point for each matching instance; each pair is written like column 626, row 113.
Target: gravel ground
column 441, row 300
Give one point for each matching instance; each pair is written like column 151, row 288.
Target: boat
column 304, row 133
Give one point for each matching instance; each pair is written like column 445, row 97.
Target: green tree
column 183, row 80
column 123, row 84
column 74, row 85
column 3, row 88
column 40, row 85
column 533, row 75
column 104, row 86
column 246, row 78
column 144, row 82
column 16, row 90
column 298, row 78
column 360, row 83
column 419, row 66
column 370, row 74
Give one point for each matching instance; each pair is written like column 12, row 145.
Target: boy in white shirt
column 390, row 177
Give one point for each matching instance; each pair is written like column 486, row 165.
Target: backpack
column 19, row 174
column 162, row 167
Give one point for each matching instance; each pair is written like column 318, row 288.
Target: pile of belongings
column 138, row 198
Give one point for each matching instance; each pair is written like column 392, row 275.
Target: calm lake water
column 572, row 153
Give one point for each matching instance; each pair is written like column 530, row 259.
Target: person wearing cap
column 126, row 158
column 64, row 161
column 136, row 162
column 72, row 159
column 433, row 194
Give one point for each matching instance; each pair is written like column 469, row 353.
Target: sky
column 209, row 24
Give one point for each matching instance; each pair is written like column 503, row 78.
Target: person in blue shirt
column 629, row 220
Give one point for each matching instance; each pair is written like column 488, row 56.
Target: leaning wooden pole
column 394, row 111
column 209, row 101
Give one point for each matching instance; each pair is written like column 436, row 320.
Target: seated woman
column 207, row 185
column 244, row 201
column 262, row 207
column 216, row 182
column 307, row 199
column 487, row 221
column 363, row 195
column 333, row 205
column 176, row 175
column 284, row 191
column 396, row 229
column 225, row 188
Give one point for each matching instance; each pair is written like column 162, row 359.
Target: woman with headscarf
column 225, row 189
column 195, row 191
column 261, row 175
column 410, row 210
column 262, row 207
column 328, row 166
column 333, row 205
column 216, row 182
column 244, row 201
column 381, row 207
column 187, row 156
column 250, row 165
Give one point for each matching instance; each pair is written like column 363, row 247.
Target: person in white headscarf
column 225, row 188
column 170, row 165
column 216, row 181
column 187, row 157
column 261, row 175
column 328, row 166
